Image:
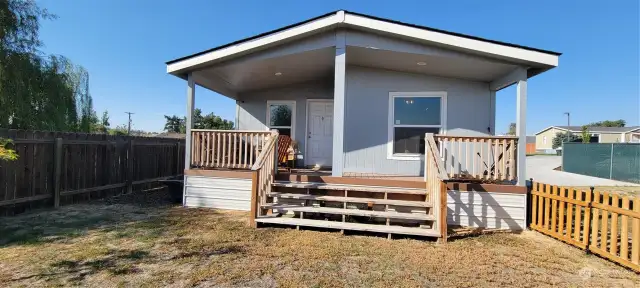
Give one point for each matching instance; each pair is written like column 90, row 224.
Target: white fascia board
column 452, row 40
column 217, row 55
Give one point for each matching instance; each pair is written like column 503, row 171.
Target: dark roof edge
column 457, row 34
column 368, row 16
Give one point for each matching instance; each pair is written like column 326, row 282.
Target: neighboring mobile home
column 393, row 112
column 545, row 137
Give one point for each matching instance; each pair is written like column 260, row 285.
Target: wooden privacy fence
column 603, row 223
column 226, row 148
column 54, row 168
column 484, row 158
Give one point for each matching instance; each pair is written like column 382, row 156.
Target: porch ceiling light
column 421, row 63
column 278, row 73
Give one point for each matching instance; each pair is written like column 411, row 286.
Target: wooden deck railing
column 485, row 158
column 436, row 187
column 226, row 148
column 263, row 174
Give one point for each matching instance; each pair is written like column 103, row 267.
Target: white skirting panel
column 486, row 209
column 215, row 192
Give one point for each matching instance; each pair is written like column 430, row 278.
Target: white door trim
column 306, row 126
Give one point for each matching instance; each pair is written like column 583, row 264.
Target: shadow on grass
column 460, row 233
column 171, row 228
column 68, row 222
column 36, row 230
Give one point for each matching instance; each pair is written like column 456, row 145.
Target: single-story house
column 545, row 137
column 381, row 106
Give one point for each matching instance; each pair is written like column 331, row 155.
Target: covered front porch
column 349, row 109
column 373, row 112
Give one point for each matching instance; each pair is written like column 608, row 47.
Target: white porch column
column 191, row 93
column 521, row 129
column 339, row 99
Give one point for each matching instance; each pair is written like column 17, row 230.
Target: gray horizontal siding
column 486, row 209
column 252, row 106
column 215, row 192
column 469, row 113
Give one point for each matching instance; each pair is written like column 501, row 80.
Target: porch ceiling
column 470, row 68
column 242, row 76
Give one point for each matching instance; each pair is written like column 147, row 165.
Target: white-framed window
column 411, row 115
column 281, row 116
column 544, row 140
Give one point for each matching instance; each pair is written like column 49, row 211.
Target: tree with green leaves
column 37, row 91
column 174, row 124
column 211, row 121
column 562, row 137
column 512, row 129
column 7, row 154
column 608, row 123
column 119, row 130
column 177, row 124
column 586, row 136
column 104, row 122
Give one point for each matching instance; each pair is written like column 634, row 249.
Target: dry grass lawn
column 118, row 244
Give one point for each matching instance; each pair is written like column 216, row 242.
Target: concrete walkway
column 540, row 168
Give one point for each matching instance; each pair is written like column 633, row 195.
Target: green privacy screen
column 618, row 161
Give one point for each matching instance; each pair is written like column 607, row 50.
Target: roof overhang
column 536, row 60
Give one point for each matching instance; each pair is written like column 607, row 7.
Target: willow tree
column 38, row 91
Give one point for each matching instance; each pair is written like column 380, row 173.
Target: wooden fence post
column 130, row 157
column 57, row 172
column 443, row 212
column 588, row 220
column 255, row 177
column 529, row 206
column 178, row 172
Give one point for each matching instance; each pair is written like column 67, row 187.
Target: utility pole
column 129, row 129
column 568, row 138
column 568, row 118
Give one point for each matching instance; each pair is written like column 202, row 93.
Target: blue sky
column 124, row 45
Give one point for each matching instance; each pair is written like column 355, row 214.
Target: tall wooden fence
column 57, row 168
column 600, row 222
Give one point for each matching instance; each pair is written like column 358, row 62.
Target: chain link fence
column 617, row 161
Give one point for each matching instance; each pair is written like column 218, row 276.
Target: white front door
column 319, row 132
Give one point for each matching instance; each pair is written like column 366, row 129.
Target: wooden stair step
column 350, row 226
column 352, row 212
column 350, row 199
column 378, row 189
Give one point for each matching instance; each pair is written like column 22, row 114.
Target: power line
column 129, row 129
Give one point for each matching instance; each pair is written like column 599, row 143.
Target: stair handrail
column 436, row 178
column 262, row 175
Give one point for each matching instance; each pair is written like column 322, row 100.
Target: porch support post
column 339, row 103
column 521, row 129
column 191, row 93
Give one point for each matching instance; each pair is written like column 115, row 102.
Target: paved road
column 540, row 168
